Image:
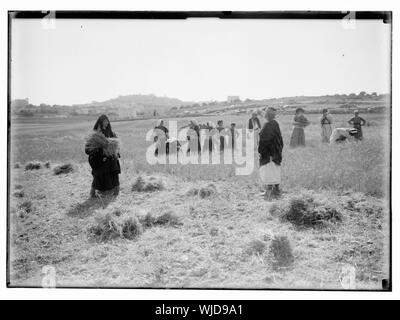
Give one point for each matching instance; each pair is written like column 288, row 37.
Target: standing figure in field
column 326, row 126
column 210, row 126
column 270, row 151
column 193, row 136
column 254, row 125
column 161, row 137
column 221, row 129
column 102, row 147
column 233, row 136
column 357, row 122
column 299, row 123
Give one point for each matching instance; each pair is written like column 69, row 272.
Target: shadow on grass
column 87, row 208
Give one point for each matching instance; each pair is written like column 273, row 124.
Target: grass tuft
column 150, row 184
column 282, row 252
column 203, row 192
column 63, row 169
column 34, row 165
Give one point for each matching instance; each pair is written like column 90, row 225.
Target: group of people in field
column 102, row 145
column 271, row 143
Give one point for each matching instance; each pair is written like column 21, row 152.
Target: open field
column 224, row 239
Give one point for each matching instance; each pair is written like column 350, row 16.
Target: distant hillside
column 138, row 100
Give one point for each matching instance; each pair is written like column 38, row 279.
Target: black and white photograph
column 200, row 150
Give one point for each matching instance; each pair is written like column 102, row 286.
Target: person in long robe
column 357, row 122
column 254, row 125
column 161, row 138
column 193, row 136
column 270, row 155
column 299, row 123
column 326, row 126
column 233, row 136
column 102, row 149
column 221, row 130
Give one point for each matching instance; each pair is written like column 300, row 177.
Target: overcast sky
column 196, row 60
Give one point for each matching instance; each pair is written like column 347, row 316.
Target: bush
column 17, row 166
column 47, row 165
column 282, row 252
column 35, row 165
column 63, row 169
column 150, row 184
column 305, row 212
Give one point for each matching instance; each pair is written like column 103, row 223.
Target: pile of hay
column 282, row 253
column 167, row 218
column 203, row 192
column 148, row 184
column 63, row 169
column 34, row 165
column 109, row 227
column 306, row 211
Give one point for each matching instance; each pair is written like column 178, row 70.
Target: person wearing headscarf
column 102, row 148
column 326, row 126
column 161, row 137
column 270, row 155
column 357, row 122
column 193, row 135
column 299, row 123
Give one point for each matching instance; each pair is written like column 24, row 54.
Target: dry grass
column 203, row 192
column 194, row 241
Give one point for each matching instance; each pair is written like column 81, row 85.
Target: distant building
column 232, row 99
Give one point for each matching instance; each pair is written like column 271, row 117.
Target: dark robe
column 105, row 169
column 271, row 143
column 163, row 138
column 196, row 129
column 357, row 123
